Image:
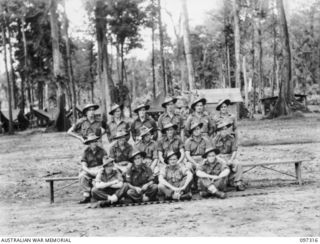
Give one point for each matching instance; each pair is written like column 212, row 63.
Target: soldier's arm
column 190, row 159
column 187, row 127
column 188, row 180
column 72, row 131
column 163, row 181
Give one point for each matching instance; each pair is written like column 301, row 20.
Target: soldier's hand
column 215, row 177
column 138, row 189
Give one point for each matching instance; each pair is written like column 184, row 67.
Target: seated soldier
column 91, row 163
column 196, row 145
column 175, row 179
column 212, row 173
column 87, row 125
column 149, row 147
column 120, row 151
column 226, row 142
column 170, row 142
column 140, row 180
column 109, row 187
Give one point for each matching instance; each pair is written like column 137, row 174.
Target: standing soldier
column 117, row 123
column 175, row 179
column 225, row 115
column 199, row 115
column 140, row 180
column 87, row 125
column 213, row 174
column 109, row 187
column 149, row 147
column 143, row 119
column 121, row 151
column 227, row 144
column 170, row 142
column 169, row 116
column 92, row 160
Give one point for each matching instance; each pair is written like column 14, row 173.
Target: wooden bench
column 297, row 165
column 51, row 184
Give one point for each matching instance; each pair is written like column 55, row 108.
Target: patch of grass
column 294, row 115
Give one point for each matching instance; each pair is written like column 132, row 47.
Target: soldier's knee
column 131, row 192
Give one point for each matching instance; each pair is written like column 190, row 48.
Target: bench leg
column 298, row 172
column 51, row 192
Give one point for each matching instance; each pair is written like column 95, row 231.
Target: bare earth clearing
column 286, row 210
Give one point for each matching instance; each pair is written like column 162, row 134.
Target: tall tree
column 187, row 46
column 235, row 4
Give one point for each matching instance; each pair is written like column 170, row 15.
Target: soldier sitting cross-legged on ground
column 213, row 174
column 175, row 179
column 109, row 187
column 91, row 162
column 140, row 180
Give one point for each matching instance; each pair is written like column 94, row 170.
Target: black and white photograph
column 159, row 118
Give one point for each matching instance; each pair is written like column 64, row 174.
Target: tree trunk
column 237, row 41
column 91, row 61
column 253, row 67
column 187, row 45
column 4, row 44
column 261, row 83
column 274, row 66
column 244, row 69
column 153, row 54
column 60, row 121
column 286, row 92
column 163, row 70
column 69, row 64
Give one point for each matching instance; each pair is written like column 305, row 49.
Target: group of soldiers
column 172, row 158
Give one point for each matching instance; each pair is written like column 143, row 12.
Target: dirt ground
column 285, row 208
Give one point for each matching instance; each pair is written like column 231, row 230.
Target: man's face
column 170, row 132
column 211, row 157
column 173, row 160
column 117, row 113
column 108, row 168
column 142, row 112
column 122, row 140
column 138, row 160
column 147, row 137
column 199, row 107
column 170, row 107
column 196, row 131
column 94, row 145
column 90, row 112
column 224, row 108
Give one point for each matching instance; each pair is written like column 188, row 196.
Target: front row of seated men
column 138, row 175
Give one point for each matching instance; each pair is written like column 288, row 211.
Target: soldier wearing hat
column 170, row 142
column 117, row 122
column 149, row 147
column 175, row 179
column 140, row 179
column 143, row 119
column 91, row 163
column 200, row 115
column 87, row 125
column 169, row 116
column 227, row 144
column 213, row 173
column 120, row 151
column 224, row 115
column 109, row 187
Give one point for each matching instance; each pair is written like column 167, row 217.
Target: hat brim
column 192, row 128
column 147, row 132
column 173, row 126
column 203, row 100
column 87, row 142
column 229, row 124
column 136, row 110
column 109, row 162
column 164, row 105
column 226, row 101
column 178, row 154
column 215, row 150
column 113, row 110
column 95, row 106
column 143, row 154
column 118, row 137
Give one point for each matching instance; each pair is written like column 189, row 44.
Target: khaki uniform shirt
column 197, row 147
column 139, row 176
column 214, row 168
column 84, row 127
column 149, row 148
column 228, row 117
column 93, row 158
column 120, row 155
column 113, row 127
column 226, row 145
column 208, row 124
column 148, row 122
column 174, row 174
column 176, row 119
column 165, row 145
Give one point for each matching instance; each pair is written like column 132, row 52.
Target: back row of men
column 170, row 158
